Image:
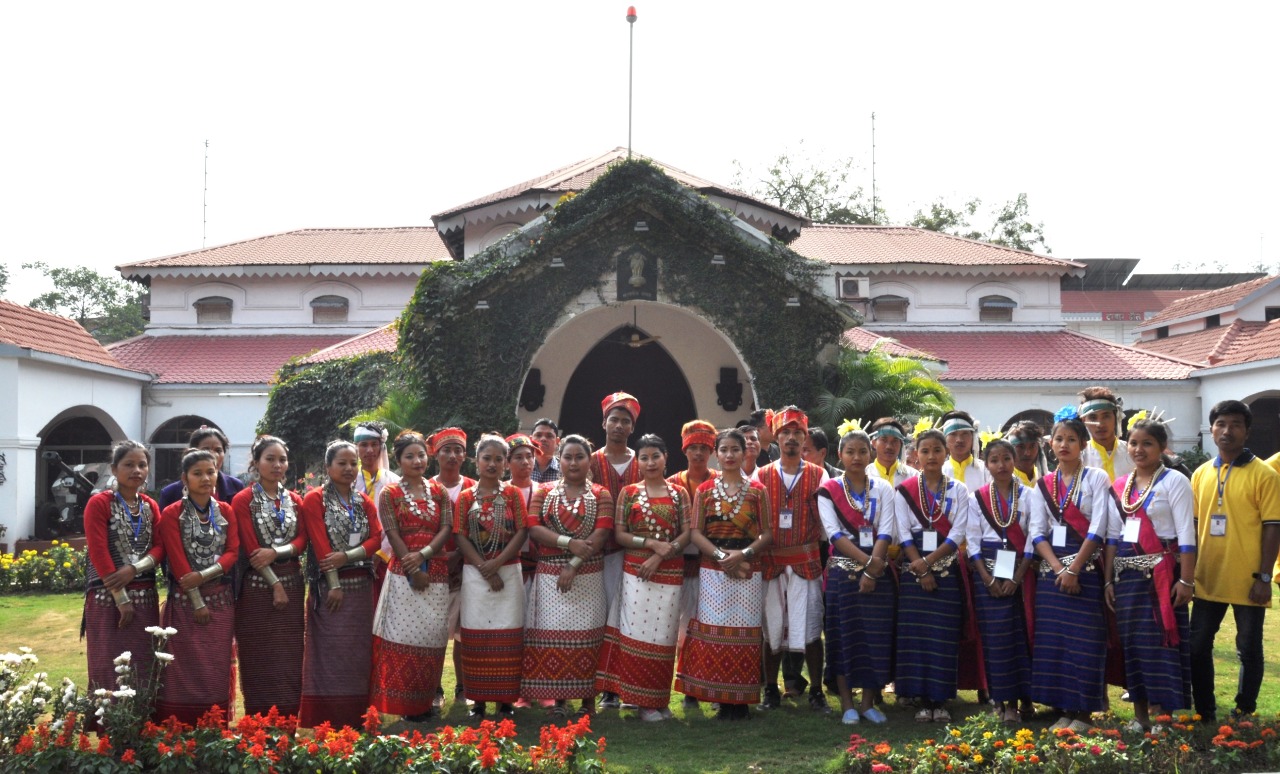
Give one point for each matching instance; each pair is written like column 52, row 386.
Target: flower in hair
column 848, row 426
column 922, row 424
column 1136, row 418
column 987, row 436
column 1065, row 413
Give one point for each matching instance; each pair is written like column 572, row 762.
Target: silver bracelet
column 331, row 578
column 269, row 575
column 144, row 564
column 748, row 552
column 285, row 551
column 121, row 597
column 1191, row 585
column 576, row 562
column 720, row 555
column 637, row 541
column 211, row 572
column 428, row 552
column 197, row 601
column 563, row 541
column 356, row 554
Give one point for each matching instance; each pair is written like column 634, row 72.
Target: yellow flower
column 67, row 565
column 955, row 732
column 923, row 424
column 987, row 734
column 977, row 757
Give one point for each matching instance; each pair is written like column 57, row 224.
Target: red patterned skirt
column 337, row 658
column 492, row 628
column 410, row 633
column 720, row 658
column 639, row 652
column 565, row 631
column 269, row 642
column 104, row 640
column 202, row 674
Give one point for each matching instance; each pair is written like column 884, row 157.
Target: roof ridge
column 1130, row 348
column 1171, row 312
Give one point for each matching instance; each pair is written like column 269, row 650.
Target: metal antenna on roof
column 631, row 52
column 204, row 234
column 874, row 218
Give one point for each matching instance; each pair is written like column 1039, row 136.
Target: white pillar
column 18, row 492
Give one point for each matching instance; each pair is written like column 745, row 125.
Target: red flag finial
column 631, row 14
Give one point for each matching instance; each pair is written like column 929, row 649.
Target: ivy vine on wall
column 468, row 364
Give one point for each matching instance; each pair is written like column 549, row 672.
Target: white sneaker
column 850, row 717
column 651, row 715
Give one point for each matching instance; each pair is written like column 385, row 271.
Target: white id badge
column 929, row 541
column 1131, row 527
column 1060, row 536
column 355, row 539
column 1218, row 525
column 866, row 537
column 784, row 518
column 1006, row 563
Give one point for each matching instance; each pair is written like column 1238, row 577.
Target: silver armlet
column 144, row 564
column 197, row 601
column 331, row 578
column 428, row 552
column 563, row 541
column 269, row 575
column 121, row 597
column 285, row 551
column 748, row 552
column 209, row 573
column 356, row 554
column 576, row 562
column 637, row 541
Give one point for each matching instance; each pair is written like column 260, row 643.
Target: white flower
column 101, row 692
column 123, row 658
column 125, row 693
column 24, row 649
column 37, row 702
column 122, row 669
column 57, row 725
column 30, row 658
column 153, row 630
column 168, row 631
column 101, row 711
column 67, row 681
column 11, row 658
column 163, row 657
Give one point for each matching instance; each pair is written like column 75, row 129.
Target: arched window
column 212, row 310
column 168, row 443
column 996, row 309
column 889, row 309
column 329, row 309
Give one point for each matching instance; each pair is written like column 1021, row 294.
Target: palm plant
column 402, row 409
column 874, row 384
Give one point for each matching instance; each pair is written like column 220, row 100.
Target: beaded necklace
column 496, row 537
column 648, row 520
column 721, row 495
column 932, row 506
column 1003, row 522
column 1071, row 488
column 856, row 501
column 282, row 528
column 202, row 539
column 1144, row 495
column 412, row 502
column 132, row 535
column 551, row 510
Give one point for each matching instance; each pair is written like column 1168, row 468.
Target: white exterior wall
column 698, row 348
column 994, row 403
column 1241, row 382
column 275, row 303
column 236, row 414
column 40, row 389
column 935, row 299
column 1257, row 309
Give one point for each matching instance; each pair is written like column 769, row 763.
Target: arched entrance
column 1264, row 433
column 620, row 361
column 78, row 441
column 167, row 444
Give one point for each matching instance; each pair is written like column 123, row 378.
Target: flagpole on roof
column 631, row 49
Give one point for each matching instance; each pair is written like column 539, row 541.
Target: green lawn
column 792, row 739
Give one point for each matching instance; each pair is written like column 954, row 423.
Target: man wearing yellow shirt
column 1237, row 504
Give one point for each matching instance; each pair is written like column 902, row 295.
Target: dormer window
column 212, row 310
column 328, row 309
column 889, row 309
column 996, row 309
column 1213, row 321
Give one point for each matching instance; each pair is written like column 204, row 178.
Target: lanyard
column 782, row 476
column 1222, row 480
column 135, row 519
column 931, row 498
column 1065, row 498
column 351, row 508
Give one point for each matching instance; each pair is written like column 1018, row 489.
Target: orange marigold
column 1035, row 758
column 883, row 748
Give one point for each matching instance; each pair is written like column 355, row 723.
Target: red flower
column 84, row 742
column 372, row 721
column 469, row 736
column 257, row 751
column 488, row 756
column 104, row 745
column 881, row 768
column 1226, row 731
column 600, row 746
column 24, row 745
column 128, row 757
column 1095, row 750
column 506, row 729
column 216, row 717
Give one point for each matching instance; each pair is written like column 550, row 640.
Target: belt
column 845, row 564
column 1144, row 563
column 1047, row 569
column 941, row 568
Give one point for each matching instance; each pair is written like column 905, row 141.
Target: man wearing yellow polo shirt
column 1237, row 502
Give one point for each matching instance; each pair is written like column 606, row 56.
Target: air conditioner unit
column 854, row 287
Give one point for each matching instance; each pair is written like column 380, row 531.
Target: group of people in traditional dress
column 565, row 573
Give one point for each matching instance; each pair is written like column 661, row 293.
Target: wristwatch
column 1262, row 576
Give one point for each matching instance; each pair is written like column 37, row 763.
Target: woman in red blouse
column 120, row 530
column 201, row 544
column 343, row 532
column 269, row 613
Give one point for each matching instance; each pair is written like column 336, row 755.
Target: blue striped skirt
column 929, row 637
column 1002, row 622
column 859, row 629
column 1069, row 658
column 1155, row 673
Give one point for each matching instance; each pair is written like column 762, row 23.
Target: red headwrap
column 520, row 439
column 621, row 400
column 789, row 416
column 438, row 440
column 698, row 431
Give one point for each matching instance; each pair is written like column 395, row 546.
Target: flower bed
column 60, row 568
column 983, row 744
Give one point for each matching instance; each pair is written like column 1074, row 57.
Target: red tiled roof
column 1203, row 346
column 382, row 339
column 577, row 176
column 1039, row 355
column 907, row 244
column 409, row 245
column 1258, row 341
column 1205, row 303
column 863, row 340
column 215, row 359
column 1120, row 301
column 22, row 326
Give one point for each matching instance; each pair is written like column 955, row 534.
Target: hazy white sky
column 1143, row 130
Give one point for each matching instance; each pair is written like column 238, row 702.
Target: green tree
column 869, row 385
column 4, row 278
column 1011, row 225
column 823, row 193
column 108, row 307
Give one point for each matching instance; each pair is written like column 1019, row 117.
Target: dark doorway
column 1264, row 433
column 628, row 360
